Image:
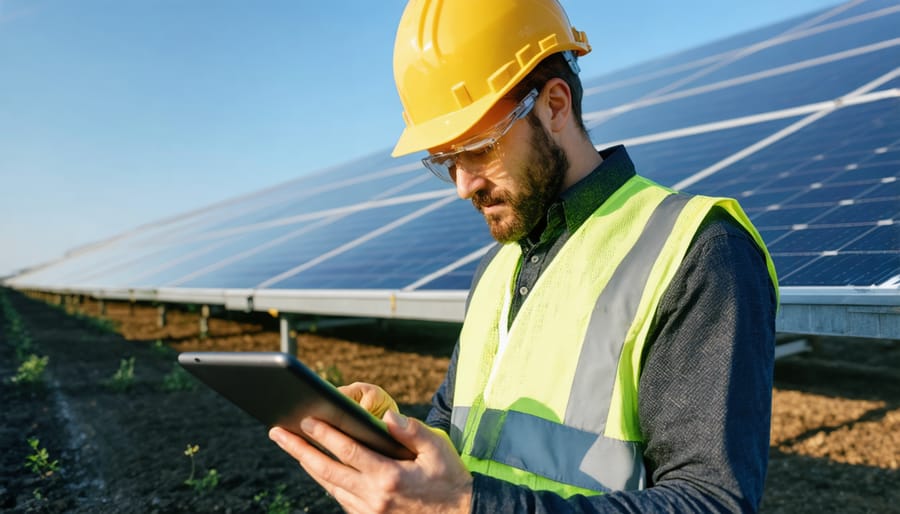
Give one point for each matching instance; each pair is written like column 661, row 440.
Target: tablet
column 279, row 390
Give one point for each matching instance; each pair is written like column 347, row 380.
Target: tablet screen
column 279, row 390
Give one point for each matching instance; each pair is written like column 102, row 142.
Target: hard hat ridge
column 453, row 60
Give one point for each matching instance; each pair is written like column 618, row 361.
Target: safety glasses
column 479, row 153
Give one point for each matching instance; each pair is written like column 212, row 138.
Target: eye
column 483, row 150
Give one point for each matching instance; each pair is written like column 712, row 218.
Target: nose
column 467, row 183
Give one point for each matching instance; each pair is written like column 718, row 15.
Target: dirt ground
column 835, row 432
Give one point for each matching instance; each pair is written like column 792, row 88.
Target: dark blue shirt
column 705, row 392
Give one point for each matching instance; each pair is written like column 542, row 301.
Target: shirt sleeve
column 705, row 393
column 442, row 401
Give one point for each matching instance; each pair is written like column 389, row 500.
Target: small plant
column 279, row 504
column 39, row 461
column 103, row 324
column 123, row 378
column 161, row 348
column 31, row 371
column 208, row 482
column 330, row 373
column 178, row 380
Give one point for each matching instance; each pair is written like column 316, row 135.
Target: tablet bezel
column 279, row 390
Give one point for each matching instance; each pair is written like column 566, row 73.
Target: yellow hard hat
column 454, row 59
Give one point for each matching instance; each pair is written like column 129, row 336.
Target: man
column 617, row 350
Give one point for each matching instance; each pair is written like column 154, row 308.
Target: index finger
column 370, row 397
column 344, row 448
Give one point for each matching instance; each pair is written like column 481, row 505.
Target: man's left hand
column 367, row 482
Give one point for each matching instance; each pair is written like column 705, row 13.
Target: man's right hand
column 370, row 397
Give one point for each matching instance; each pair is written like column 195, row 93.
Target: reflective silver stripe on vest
column 613, row 314
column 595, row 375
column 458, row 418
column 554, row 451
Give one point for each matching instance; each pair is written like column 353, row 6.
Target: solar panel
column 800, row 121
column 400, row 258
column 814, row 46
column 747, row 96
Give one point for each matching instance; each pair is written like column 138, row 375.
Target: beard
column 539, row 187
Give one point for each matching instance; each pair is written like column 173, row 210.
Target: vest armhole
column 479, row 271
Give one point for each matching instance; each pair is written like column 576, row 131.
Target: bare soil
column 835, row 431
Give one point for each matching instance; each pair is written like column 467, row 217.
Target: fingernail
column 398, row 419
column 307, row 425
column 276, row 436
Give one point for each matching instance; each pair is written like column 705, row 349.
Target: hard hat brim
column 444, row 129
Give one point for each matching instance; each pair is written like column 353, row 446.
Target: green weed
column 330, row 373
column 31, row 371
column 123, row 378
column 39, row 461
column 208, row 482
column 178, row 380
column 278, row 504
column 161, row 349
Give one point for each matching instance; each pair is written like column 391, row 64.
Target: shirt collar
column 583, row 198
column 578, row 202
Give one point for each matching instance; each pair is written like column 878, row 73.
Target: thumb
column 419, row 437
column 408, row 432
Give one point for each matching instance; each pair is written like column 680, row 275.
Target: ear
column 559, row 100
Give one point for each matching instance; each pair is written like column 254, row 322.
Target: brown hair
column 554, row 66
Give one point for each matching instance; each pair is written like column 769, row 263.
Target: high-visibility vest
column 552, row 403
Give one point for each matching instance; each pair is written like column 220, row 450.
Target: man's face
column 515, row 193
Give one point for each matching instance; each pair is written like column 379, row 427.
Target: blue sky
column 114, row 114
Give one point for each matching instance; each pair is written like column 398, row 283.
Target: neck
column 583, row 159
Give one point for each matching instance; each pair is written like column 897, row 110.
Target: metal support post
column 288, row 340
column 204, row 322
column 161, row 315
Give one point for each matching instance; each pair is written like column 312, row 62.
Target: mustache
column 482, row 199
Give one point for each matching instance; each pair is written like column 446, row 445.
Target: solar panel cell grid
column 850, row 268
column 671, row 160
column 815, row 240
column 67, row 271
column 864, row 211
column 704, row 53
column 598, row 97
column 210, row 254
column 399, row 258
column 878, row 239
column 313, row 199
column 828, row 194
column 808, row 86
column 257, row 267
column 141, row 262
column 458, row 279
column 823, row 45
